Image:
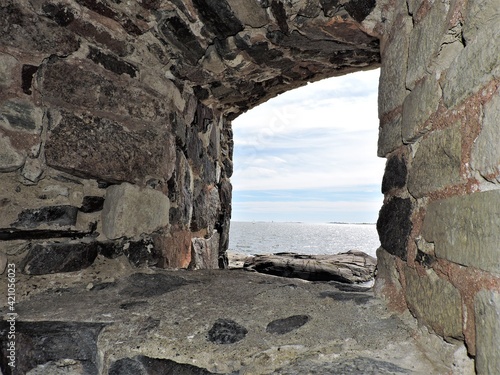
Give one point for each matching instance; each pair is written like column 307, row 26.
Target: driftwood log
column 350, row 267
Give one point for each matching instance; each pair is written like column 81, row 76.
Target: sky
column 310, row 154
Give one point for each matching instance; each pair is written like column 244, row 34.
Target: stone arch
column 116, row 137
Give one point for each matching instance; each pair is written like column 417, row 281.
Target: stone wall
column 115, row 119
column 439, row 105
column 115, row 135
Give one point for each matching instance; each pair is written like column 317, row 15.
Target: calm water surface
column 303, row 238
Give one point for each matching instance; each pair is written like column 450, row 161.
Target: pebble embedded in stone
column 285, row 325
column 226, row 331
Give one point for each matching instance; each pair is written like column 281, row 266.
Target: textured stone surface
column 487, row 308
column 394, row 226
column 142, row 365
column 392, row 88
column 10, row 158
column 418, row 106
column 358, row 365
column 226, row 331
column 205, row 252
column 95, row 147
column 481, row 64
column 434, row 301
column 21, row 115
column 437, row 162
column 51, row 216
column 485, row 156
column 38, row 343
column 129, row 211
column 464, row 229
column 389, row 138
column 395, row 174
column 92, row 203
column 58, row 257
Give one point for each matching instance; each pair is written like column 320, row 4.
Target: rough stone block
column 21, row 115
column 425, row 41
column 249, row 13
column 465, row 229
column 10, row 158
column 392, row 90
column 50, row 215
column 96, row 147
column 395, row 174
column 474, row 67
column 394, row 226
column 7, row 64
column 206, row 209
column 480, row 14
column 46, row 342
column 418, row 106
column 389, row 137
column 150, row 366
column 487, row 313
column 435, row 301
column 485, row 156
column 58, row 257
column 437, row 162
column 130, row 211
column 205, row 252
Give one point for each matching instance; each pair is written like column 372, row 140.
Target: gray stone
column 10, row 158
column 425, row 42
column 418, row 106
column 487, row 314
column 21, row 115
column 32, row 171
column 434, row 301
column 485, row 156
column 392, row 89
column 354, row 366
column 206, row 209
column 464, row 229
column 205, row 252
column 49, row 215
column 473, row 68
column 389, row 137
column 58, row 257
column 7, row 64
column 437, row 162
column 249, row 13
column 60, row 367
column 145, row 285
column 130, row 211
column 3, row 262
column 226, row 331
column 480, row 15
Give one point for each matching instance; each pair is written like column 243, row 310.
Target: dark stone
column 279, row 14
column 142, row 365
column 394, row 226
column 108, row 147
column 51, row 215
column 201, row 93
column 58, row 257
column 259, row 52
column 224, row 49
column 27, row 73
column 111, row 62
column 359, row 9
column 357, row 298
column 99, row 7
column 9, row 234
column 395, row 174
column 40, row 342
column 354, row 366
column 151, row 285
column 226, row 331
column 92, row 203
column 110, row 249
column 349, row 287
column 19, row 114
column 132, row 305
column 218, row 17
column 330, row 7
column 282, row 326
column 316, row 48
column 143, row 252
column 175, row 32
column 424, row 259
column 60, row 14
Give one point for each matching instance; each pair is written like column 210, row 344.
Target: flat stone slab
column 350, row 267
column 111, row 318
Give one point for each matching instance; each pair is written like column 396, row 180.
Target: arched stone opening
column 115, row 114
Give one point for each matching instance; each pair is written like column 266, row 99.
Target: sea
column 303, row 238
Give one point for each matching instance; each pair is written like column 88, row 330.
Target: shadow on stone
column 151, row 285
column 142, row 365
column 357, row 298
column 285, row 325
